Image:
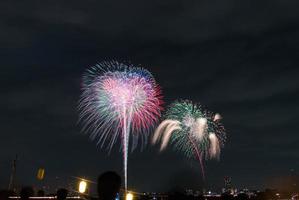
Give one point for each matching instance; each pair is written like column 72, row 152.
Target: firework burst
column 119, row 101
column 192, row 130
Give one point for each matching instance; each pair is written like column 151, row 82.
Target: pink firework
column 118, row 101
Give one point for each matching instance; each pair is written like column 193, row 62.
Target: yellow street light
column 82, row 186
column 129, row 196
column 40, row 174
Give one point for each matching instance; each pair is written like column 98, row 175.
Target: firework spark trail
column 198, row 156
column 214, row 150
column 165, row 128
column 119, row 100
column 192, row 130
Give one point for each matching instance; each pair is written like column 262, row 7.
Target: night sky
column 238, row 58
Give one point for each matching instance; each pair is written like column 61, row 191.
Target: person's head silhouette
column 40, row 193
column 26, row 192
column 62, row 194
column 4, row 194
column 108, row 185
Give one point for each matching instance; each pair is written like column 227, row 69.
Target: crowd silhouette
column 109, row 186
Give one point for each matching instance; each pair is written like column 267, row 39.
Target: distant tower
column 12, row 180
column 227, row 183
column 294, row 180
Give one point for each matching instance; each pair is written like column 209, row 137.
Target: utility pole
column 12, row 180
